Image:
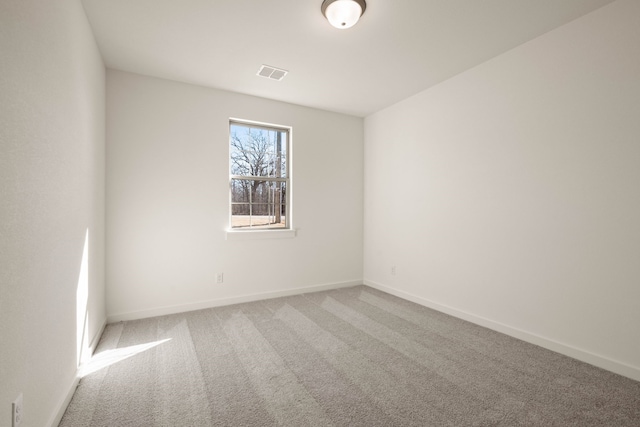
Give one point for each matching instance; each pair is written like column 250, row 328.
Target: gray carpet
column 349, row 357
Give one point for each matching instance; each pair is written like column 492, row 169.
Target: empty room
column 319, row 212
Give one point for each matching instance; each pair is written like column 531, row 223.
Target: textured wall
column 516, row 188
column 51, row 193
column 168, row 195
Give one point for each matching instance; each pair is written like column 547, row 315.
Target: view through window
column 259, row 176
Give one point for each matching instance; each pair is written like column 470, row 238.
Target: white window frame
column 257, row 232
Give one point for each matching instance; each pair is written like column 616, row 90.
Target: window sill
column 260, row 234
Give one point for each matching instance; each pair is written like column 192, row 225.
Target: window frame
column 262, row 231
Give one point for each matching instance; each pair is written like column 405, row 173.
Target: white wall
column 52, row 106
column 167, row 199
column 509, row 194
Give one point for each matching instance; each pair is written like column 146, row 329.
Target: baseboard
column 62, row 405
column 96, row 338
column 573, row 352
column 161, row 311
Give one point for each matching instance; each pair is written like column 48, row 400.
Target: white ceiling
column 399, row 47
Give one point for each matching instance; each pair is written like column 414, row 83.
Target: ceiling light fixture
column 343, row 14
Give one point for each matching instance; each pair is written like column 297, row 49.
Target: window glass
column 259, row 176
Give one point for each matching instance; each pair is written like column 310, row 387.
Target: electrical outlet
column 220, row 278
column 16, row 411
column 393, row 270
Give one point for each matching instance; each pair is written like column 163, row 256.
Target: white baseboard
column 161, row 311
column 96, row 338
column 62, row 405
column 568, row 350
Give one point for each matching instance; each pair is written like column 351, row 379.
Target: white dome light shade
column 343, row 14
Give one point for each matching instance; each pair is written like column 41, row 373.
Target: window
column 259, row 178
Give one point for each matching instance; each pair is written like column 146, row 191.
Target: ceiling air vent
column 272, row 72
